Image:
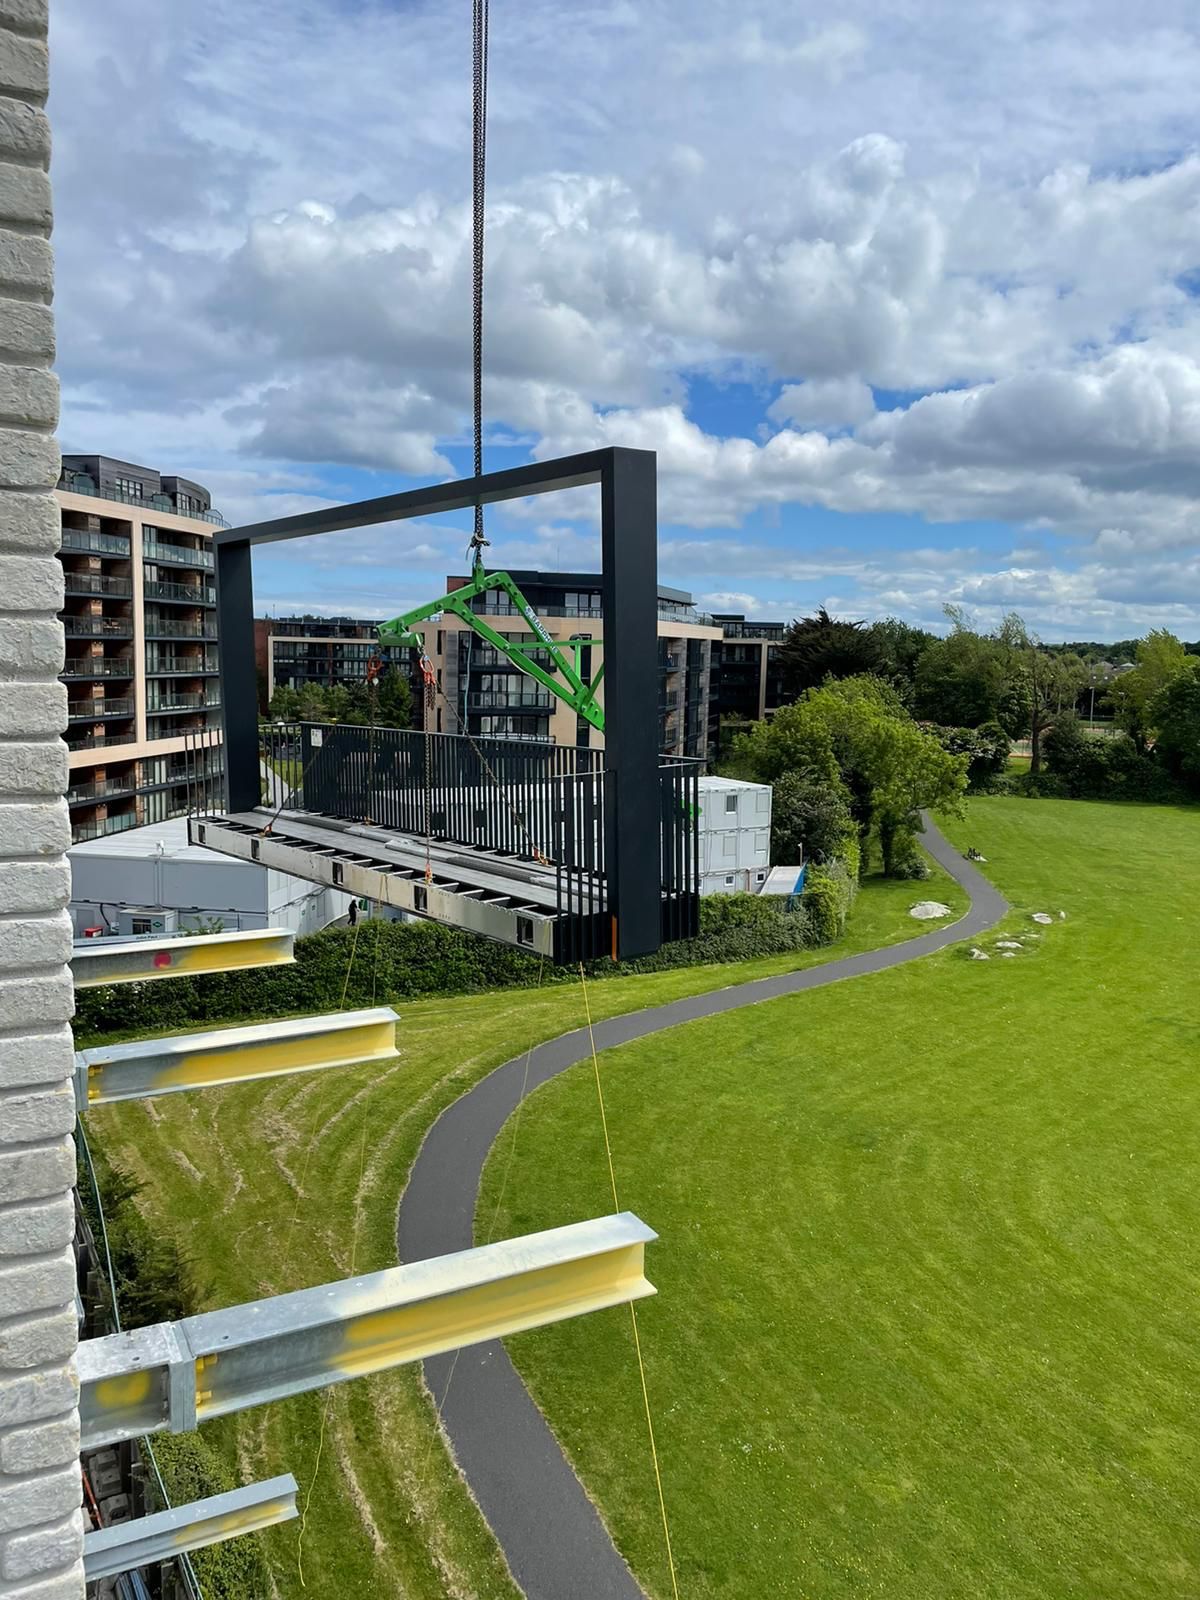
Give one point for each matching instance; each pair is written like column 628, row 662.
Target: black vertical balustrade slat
column 666, row 806
column 680, row 884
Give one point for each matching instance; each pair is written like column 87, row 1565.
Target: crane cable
column 479, row 91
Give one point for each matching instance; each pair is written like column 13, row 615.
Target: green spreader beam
column 565, row 677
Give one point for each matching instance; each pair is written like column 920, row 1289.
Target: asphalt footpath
column 549, row 1530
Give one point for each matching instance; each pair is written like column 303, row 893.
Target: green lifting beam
column 564, row 679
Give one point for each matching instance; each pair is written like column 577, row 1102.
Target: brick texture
column 41, row 1529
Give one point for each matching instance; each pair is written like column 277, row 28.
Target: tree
column 901, row 647
column 969, row 678
column 810, row 818
column 986, row 749
column 1081, row 762
column 1161, row 658
column 821, row 647
column 285, row 704
column 393, row 700
column 857, row 731
column 312, row 703
column 1175, row 712
column 1053, row 682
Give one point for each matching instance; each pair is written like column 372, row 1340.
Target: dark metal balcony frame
column 628, row 530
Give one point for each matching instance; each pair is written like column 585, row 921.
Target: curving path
column 550, row 1532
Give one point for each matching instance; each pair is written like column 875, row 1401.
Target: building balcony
column 498, row 700
column 486, row 607
column 181, row 667
column 91, row 710
column 98, row 627
column 83, row 483
column 177, row 554
column 98, row 667
column 81, row 831
column 168, row 703
column 188, row 594
column 102, row 789
column 99, row 741
column 168, row 628
column 182, row 777
column 485, row 658
column 97, row 583
column 95, row 544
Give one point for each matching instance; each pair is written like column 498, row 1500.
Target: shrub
column 911, row 864
column 192, row 1470
column 986, row 749
column 1084, row 768
column 1040, row 786
column 828, row 895
column 154, row 1278
column 809, row 817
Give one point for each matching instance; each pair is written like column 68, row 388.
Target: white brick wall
column 41, row 1531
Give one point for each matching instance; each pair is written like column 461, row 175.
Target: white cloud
column 827, row 404
column 987, row 212
column 725, row 600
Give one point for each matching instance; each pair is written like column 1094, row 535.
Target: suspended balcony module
column 573, row 852
column 499, row 837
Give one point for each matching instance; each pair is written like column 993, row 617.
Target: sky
column 905, row 296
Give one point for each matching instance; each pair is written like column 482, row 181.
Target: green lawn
column 929, row 1258
column 277, row 1186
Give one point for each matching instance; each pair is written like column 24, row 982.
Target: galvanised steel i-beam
column 145, row 1067
column 96, row 961
column 168, row 1534
column 175, row 1375
column 629, row 522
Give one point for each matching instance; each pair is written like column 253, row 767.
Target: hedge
column 192, row 1470
column 828, row 895
column 381, row 962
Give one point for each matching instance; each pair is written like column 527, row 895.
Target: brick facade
column 41, row 1531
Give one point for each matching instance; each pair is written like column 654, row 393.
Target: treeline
column 386, row 703
column 974, row 690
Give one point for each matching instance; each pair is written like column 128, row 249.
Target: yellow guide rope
column 637, row 1343
column 362, row 1150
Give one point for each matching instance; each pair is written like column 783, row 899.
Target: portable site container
column 735, row 836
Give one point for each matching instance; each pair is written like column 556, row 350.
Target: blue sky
column 905, row 300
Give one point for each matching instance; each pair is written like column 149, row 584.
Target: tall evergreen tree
column 820, row 647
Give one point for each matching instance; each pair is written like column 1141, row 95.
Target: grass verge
column 272, row 1187
column 927, row 1267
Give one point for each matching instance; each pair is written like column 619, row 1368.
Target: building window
column 140, row 925
column 731, row 804
column 130, row 486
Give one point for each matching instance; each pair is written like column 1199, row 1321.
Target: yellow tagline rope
column 637, row 1343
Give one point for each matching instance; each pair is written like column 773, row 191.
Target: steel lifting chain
column 374, row 673
column 430, row 678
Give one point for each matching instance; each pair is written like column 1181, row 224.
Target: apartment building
column 751, row 675
column 291, row 652
column 493, row 697
column 139, row 614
